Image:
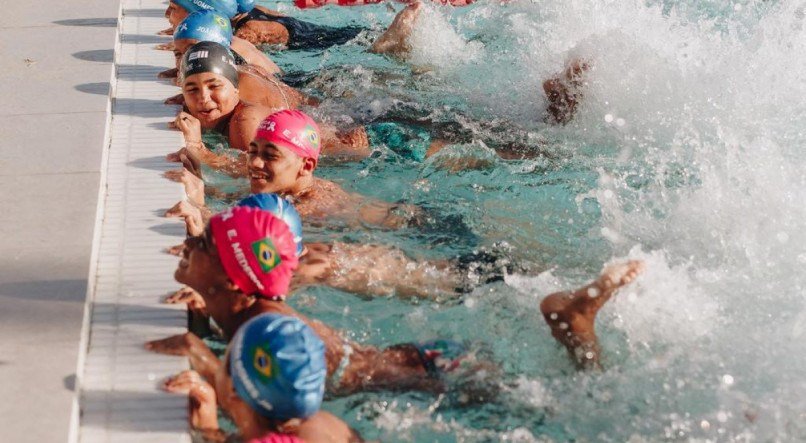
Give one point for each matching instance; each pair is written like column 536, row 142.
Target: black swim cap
column 209, row 57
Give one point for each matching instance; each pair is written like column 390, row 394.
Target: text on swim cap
column 243, row 262
column 198, row 54
column 201, row 4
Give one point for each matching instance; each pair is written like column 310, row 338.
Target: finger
column 173, row 157
column 175, row 250
column 175, row 175
column 172, row 125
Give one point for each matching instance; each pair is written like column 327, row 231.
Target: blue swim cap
column 205, row 26
column 278, row 367
column 246, row 5
column 280, row 208
column 227, row 8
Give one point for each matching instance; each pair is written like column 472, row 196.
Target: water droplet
column 152, row 376
column 705, row 425
column 608, row 118
column 620, row 122
column 722, row 416
column 563, row 325
column 593, row 292
column 727, row 380
column 589, row 355
column 553, row 316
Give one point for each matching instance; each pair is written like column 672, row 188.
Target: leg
column 395, row 41
column 571, row 316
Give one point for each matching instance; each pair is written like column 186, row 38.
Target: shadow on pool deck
column 96, row 55
column 101, row 88
column 91, row 22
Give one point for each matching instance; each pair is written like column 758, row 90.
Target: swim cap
column 277, row 438
column 282, row 209
column 227, row 8
column 246, row 5
column 208, row 57
column 256, row 249
column 278, row 366
column 205, row 26
column 292, row 129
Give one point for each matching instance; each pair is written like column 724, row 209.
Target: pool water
column 686, row 152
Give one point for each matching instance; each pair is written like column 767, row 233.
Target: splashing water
column 686, row 152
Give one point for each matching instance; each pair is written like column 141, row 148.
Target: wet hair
column 209, row 57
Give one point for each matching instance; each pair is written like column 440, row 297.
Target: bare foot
column 395, row 41
column 571, row 316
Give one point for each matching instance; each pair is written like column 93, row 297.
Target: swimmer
column 259, row 25
column 272, row 360
column 210, row 83
column 282, row 158
column 213, row 27
column 363, row 269
column 238, row 283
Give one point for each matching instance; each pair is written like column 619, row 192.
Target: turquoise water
column 686, row 153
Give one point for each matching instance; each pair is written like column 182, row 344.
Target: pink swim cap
column 257, row 250
column 291, row 129
column 277, row 438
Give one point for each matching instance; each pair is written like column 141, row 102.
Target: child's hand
column 194, row 186
column 190, row 214
column 189, row 297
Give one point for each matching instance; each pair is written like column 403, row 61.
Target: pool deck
column 71, row 129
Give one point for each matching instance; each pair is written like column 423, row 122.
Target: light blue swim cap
column 205, row 26
column 227, row 8
column 278, row 367
column 280, row 208
column 246, row 5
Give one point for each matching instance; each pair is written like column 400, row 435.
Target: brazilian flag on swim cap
column 228, row 8
column 266, row 253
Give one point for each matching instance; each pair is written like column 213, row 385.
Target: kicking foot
column 571, row 316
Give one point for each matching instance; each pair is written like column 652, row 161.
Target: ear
column 308, row 166
column 231, row 287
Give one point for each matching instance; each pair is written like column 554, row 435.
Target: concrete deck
column 57, row 62
column 63, row 136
